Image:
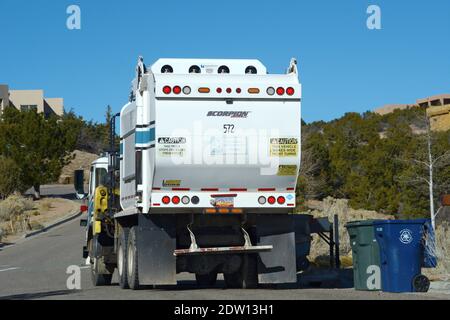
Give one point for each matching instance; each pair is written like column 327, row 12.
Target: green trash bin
column 366, row 255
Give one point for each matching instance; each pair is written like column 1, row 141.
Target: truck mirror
column 78, row 183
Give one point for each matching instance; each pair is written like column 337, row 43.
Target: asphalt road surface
column 35, row 268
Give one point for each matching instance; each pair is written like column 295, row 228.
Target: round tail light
column 281, row 200
column 270, row 91
column 262, row 200
column 177, row 90
column 167, row 90
column 185, row 200
column 280, row 91
column 219, row 90
column 195, row 200
column 187, row 90
column 166, row 200
column 290, row 91
column 176, row 200
column 229, row 90
column 271, row 200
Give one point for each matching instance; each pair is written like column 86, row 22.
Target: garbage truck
column 203, row 179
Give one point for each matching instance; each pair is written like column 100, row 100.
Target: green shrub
column 10, row 181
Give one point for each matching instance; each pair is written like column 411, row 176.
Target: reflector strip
column 291, row 205
column 266, row 189
column 156, row 204
column 238, row 190
column 181, row 189
column 290, row 189
column 209, row 189
column 223, row 195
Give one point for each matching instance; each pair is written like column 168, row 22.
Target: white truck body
column 227, row 143
column 208, row 166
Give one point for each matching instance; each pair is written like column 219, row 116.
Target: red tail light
column 290, row 91
column 166, row 200
column 176, row 200
column 167, row 90
column 229, row 90
column 177, row 90
column 280, row 91
column 281, row 200
column 238, row 90
column 83, row 208
column 219, row 90
column 271, row 200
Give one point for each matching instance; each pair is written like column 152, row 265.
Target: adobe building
column 30, row 100
column 438, row 110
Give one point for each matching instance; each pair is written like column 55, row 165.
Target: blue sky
column 344, row 66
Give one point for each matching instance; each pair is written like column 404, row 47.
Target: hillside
column 81, row 160
column 375, row 161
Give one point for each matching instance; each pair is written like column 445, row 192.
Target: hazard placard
column 284, row 147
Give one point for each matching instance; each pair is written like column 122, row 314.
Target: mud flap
column 156, row 243
column 279, row 264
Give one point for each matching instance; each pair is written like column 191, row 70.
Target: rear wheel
column 122, row 258
column 247, row 275
column 206, row 280
column 132, row 256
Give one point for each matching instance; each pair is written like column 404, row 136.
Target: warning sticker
column 287, row 170
column 171, row 146
column 283, row 147
column 171, row 183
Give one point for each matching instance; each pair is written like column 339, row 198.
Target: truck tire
column 206, row 280
column 132, row 264
column 122, row 258
column 98, row 278
column 247, row 275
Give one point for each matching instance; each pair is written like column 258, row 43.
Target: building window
column 24, row 107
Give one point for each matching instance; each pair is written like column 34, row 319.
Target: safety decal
column 171, row 146
column 171, row 183
column 284, row 147
column 287, row 170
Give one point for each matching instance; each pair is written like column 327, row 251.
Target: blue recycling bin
column 402, row 254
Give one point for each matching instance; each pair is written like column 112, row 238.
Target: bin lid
column 360, row 223
column 411, row 221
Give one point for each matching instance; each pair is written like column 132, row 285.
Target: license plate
column 224, row 202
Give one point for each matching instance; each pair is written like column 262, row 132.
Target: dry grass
column 328, row 208
column 46, row 204
column 16, row 211
column 442, row 271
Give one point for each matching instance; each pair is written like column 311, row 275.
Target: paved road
column 36, row 269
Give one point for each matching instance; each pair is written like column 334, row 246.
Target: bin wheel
column 421, row 283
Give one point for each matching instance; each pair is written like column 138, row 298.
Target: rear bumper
column 206, row 200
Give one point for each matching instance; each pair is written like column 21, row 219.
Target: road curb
column 72, row 216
